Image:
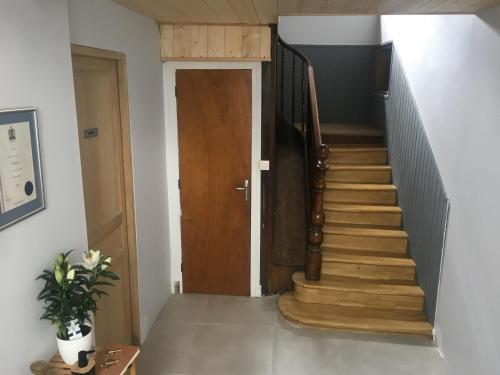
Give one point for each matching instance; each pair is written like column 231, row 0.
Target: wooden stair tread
column 355, row 145
column 346, row 150
column 356, row 318
column 367, row 187
column 361, row 208
column 335, row 248
column 365, row 232
column 350, row 129
column 368, row 280
column 367, row 259
column 358, row 167
column 358, row 286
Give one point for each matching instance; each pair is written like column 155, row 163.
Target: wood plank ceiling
column 267, row 11
column 206, row 11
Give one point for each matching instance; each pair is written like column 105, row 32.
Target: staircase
column 367, row 280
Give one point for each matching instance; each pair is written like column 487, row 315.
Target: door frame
column 120, row 58
column 172, row 157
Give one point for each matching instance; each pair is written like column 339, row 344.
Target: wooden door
column 101, row 151
column 214, row 121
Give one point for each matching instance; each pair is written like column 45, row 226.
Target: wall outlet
column 264, row 165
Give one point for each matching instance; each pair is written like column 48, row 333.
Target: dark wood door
column 214, row 120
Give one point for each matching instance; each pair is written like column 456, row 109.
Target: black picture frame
column 8, row 118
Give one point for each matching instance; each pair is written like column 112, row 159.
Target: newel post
column 313, row 260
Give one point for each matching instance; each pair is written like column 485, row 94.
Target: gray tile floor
column 222, row 335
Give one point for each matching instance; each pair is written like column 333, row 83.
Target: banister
column 316, row 152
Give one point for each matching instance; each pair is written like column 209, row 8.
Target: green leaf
column 110, row 275
column 104, row 283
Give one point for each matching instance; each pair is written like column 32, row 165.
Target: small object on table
column 38, row 368
column 85, row 365
column 124, row 354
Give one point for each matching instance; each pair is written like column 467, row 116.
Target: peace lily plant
column 70, row 297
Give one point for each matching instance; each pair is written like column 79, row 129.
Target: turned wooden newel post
column 313, row 260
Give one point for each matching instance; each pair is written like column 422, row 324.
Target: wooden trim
column 120, row 59
column 211, row 24
column 271, row 176
column 235, row 59
column 200, row 42
column 77, row 49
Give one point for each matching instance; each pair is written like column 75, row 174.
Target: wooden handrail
column 316, row 152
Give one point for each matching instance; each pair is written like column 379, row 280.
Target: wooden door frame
column 120, row 58
column 172, row 157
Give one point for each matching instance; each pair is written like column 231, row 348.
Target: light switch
column 264, row 165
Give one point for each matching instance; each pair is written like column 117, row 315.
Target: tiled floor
column 221, row 335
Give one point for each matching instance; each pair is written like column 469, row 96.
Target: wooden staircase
column 368, row 280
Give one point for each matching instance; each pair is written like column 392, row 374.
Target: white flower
column 58, row 275
column 91, row 259
column 106, row 263
column 71, row 274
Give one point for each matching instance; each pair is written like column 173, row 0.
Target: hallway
column 206, row 334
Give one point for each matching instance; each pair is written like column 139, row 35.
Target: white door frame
column 172, row 155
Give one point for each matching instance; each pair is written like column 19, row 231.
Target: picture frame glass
column 21, row 185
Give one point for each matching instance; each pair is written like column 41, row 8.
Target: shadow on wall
column 491, row 17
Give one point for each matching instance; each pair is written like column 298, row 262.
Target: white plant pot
column 69, row 349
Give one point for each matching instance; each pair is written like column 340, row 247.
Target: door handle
column 243, row 188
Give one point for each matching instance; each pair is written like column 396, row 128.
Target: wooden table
column 126, row 359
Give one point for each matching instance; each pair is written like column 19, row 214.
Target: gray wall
column 421, row 193
column 344, row 80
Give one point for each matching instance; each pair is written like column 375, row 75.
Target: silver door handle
column 243, row 188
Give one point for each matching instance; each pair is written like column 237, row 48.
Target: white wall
column 35, row 70
column 330, row 30
column 452, row 63
column 102, row 24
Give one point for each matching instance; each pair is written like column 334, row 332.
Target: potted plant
column 70, row 296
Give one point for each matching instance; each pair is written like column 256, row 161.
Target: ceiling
column 296, row 7
column 206, row 11
column 267, row 11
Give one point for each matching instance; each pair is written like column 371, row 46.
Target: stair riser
column 339, row 139
column 307, row 314
column 367, row 157
column 362, row 243
column 361, row 177
column 382, row 219
column 384, row 197
column 367, row 271
column 358, row 299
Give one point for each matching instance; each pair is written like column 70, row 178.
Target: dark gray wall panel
column 344, row 80
column 421, row 193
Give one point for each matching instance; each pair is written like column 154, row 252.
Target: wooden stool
column 123, row 354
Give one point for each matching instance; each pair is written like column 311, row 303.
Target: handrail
column 316, row 152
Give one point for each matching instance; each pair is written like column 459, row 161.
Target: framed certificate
column 21, row 187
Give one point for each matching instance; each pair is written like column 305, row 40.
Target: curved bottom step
column 353, row 318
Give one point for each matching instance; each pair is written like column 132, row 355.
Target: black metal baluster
column 293, row 90
column 304, row 102
column 282, row 83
